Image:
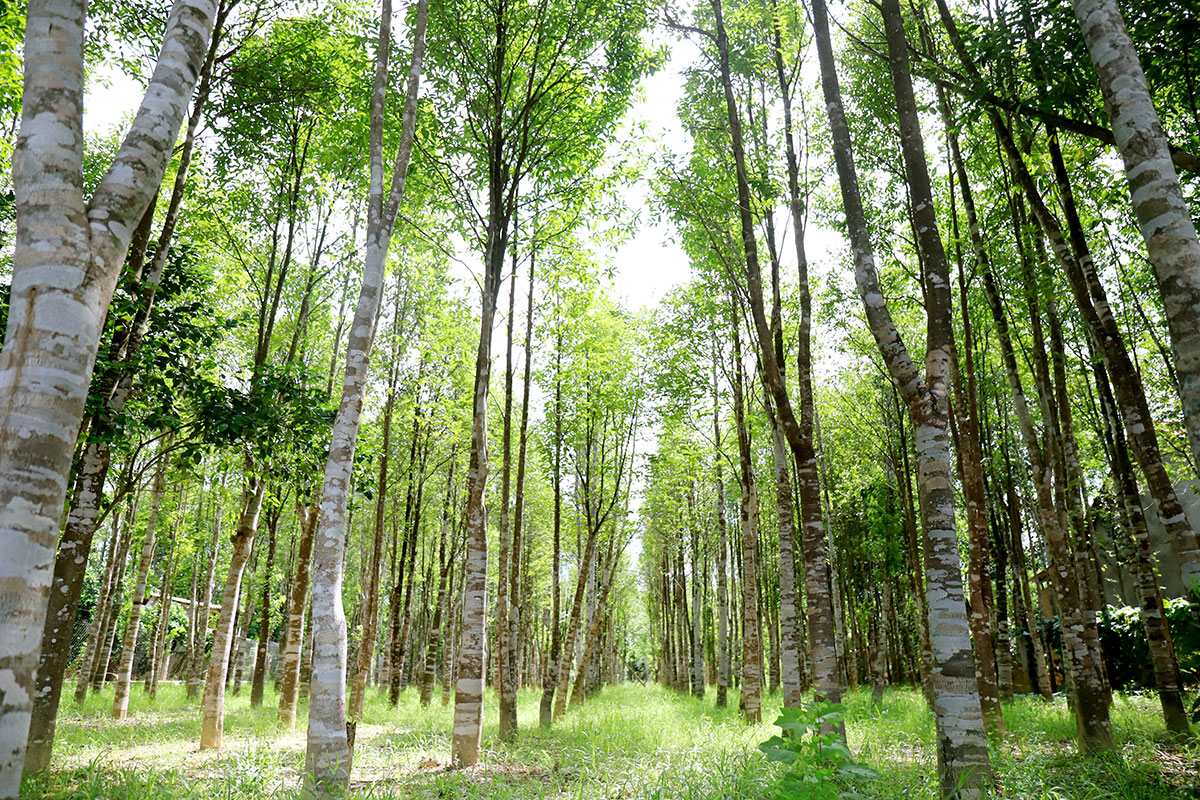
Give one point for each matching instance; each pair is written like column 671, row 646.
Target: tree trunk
column 160, row 654
column 195, row 669
column 258, row 680
column 751, row 646
column 970, row 462
column 1158, row 631
column 99, row 673
column 963, row 764
column 545, row 715
column 213, row 704
column 370, row 628
column 69, row 252
column 120, row 706
column 327, row 760
column 1162, row 211
column 503, row 654
column 1080, row 651
column 117, row 551
column 722, row 556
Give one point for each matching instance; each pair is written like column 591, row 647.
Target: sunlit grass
column 629, row 742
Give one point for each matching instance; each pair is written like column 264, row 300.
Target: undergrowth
column 631, row 741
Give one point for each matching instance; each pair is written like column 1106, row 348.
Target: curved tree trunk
column 327, row 763
column 289, row 682
column 963, row 763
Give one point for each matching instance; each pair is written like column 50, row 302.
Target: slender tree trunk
column 258, row 680
column 697, row 616
column 592, row 639
column 120, row 706
column 370, row 628
column 160, row 653
column 963, row 763
column 751, row 645
column 545, row 716
column 195, row 669
column 1158, row 631
column 1079, row 648
column 1162, row 211
column 327, row 760
column 298, row 611
column 575, row 622
column 434, row 644
column 116, row 555
column 503, row 653
column 970, row 462
column 722, row 558
column 213, row 705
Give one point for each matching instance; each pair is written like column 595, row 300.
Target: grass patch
column 640, row 742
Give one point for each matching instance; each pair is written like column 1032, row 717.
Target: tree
column 69, row 252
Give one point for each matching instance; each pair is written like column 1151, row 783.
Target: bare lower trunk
column 195, row 669
column 327, row 761
column 118, row 550
column 258, row 681
column 160, row 652
column 546, row 708
column 970, row 464
column 1158, row 631
column 752, row 675
column 963, row 762
column 575, row 622
column 469, row 683
column 213, row 704
column 125, row 670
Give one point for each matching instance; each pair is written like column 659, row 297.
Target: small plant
column 821, row 766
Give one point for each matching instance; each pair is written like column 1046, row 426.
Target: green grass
column 630, row 742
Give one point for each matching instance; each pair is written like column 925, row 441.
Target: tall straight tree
column 963, row 763
column 327, row 762
column 1158, row 201
column 68, row 255
column 540, row 86
column 799, row 439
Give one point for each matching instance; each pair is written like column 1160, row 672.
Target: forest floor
column 629, row 742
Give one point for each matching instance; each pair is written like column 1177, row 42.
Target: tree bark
column 1158, row 631
column 1162, row 211
column 751, row 645
column 213, row 704
column 722, row 555
column 258, row 680
column 327, row 760
column 195, row 669
column 120, row 706
column 545, row 716
column 68, row 255
column 963, row 763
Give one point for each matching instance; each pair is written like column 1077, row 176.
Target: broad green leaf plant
column 820, row 765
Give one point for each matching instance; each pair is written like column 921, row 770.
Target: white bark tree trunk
column 1158, row 201
column 68, row 255
column 327, row 764
column 213, row 704
column 963, row 762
